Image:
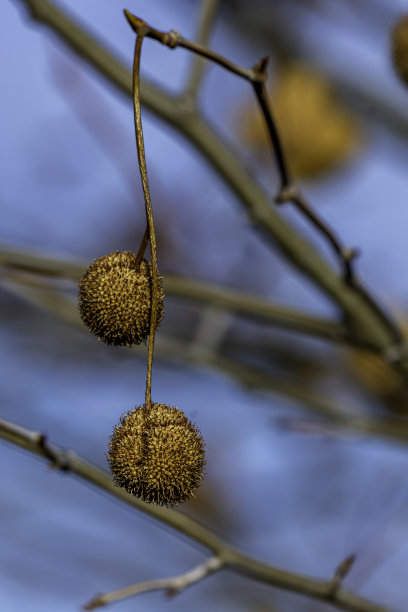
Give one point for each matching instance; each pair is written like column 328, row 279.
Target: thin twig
column 36, row 442
column 257, row 77
column 205, row 24
column 259, row 88
column 172, row 586
column 173, row 39
column 142, row 248
column 346, row 255
column 289, row 192
column 149, row 214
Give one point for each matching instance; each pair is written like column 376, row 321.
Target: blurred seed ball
column 399, row 48
column 115, row 298
column 157, row 454
column 318, row 132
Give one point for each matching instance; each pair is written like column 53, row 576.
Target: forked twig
column 288, row 191
column 172, row 586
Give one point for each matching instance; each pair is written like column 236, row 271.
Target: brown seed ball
column 115, row 299
column 399, row 51
column 157, row 454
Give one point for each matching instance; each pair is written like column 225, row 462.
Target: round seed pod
column 399, row 48
column 115, row 298
column 157, row 454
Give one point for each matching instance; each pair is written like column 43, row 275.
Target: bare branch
column 174, row 39
column 37, row 442
column 247, row 305
column 288, row 192
column 172, row 586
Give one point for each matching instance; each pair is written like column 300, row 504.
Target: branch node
column 341, row 572
column 260, row 69
column 288, row 193
column 172, row 39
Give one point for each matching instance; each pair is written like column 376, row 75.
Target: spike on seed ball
column 399, row 51
column 157, row 454
column 115, row 298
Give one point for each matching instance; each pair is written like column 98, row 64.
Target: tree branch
column 236, row 302
column 172, row 586
column 68, row 461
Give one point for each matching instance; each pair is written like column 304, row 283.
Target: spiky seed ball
column 157, row 454
column 399, row 51
column 115, row 298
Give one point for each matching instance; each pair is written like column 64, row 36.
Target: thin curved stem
column 149, row 213
column 142, row 248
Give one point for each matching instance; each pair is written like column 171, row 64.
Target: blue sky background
column 69, row 187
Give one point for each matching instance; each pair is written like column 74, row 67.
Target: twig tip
column 134, row 22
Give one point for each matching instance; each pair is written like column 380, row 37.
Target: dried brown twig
column 150, row 232
column 288, row 192
column 227, row 556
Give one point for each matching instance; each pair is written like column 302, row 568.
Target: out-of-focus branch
column 334, row 420
column 205, row 24
column 68, row 461
column 369, row 325
column 172, row 586
column 179, row 286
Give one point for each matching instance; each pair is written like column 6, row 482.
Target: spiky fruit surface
column 115, row 298
column 399, row 40
column 157, row 454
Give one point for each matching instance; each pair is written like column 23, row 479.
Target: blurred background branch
column 38, row 290
column 172, row 586
column 68, row 461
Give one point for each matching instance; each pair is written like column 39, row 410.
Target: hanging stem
column 142, row 248
column 149, row 212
